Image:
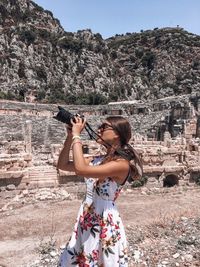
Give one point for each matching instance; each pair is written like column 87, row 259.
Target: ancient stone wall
column 146, row 118
column 31, row 140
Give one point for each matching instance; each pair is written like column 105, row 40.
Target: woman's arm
column 117, row 169
column 63, row 160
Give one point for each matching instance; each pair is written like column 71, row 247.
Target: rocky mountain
column 39, row 61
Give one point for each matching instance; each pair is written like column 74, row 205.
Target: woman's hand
column 78, row 124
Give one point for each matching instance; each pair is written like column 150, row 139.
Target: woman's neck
column 111, row 150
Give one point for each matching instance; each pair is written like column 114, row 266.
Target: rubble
column 174, row 243
column 33, row 196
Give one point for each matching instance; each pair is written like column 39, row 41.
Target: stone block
column 10, row 187
column 11, row 175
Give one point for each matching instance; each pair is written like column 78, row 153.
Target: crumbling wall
column 31, row 140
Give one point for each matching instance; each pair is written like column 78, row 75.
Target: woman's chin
column 99, row 141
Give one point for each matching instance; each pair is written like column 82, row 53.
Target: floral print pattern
column 99, row 237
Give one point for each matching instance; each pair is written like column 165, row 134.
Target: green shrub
column 41, row 95
column 26, row 15
column 196, row 64
column 41, row 73
column 197, row 180
column 113, row 96
column 148, row 60
column 98, row 37
column 38, row 8
column 49, row 13
column 70, row 98
column 92, row 98
column 139, row 52
column 3, row 95
column 21, row 70
column 138, row 183
column 7, row 95
column 27, row 36
column 3, row 12
column 113, row 54
column 56, row 96
column 69, row 42
column 44, row 34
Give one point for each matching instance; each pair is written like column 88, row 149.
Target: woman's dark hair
column 122, row 127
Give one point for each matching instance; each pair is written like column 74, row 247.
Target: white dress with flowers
column 98, row 239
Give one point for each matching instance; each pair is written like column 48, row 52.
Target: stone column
column 27, row 137
column 198, row 127
column 167, row 138
column 199, row 155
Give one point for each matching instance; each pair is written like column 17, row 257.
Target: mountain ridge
column 42, row 62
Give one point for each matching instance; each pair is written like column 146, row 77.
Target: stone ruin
column 166, row 134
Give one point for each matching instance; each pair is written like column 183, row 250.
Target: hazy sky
column 110, row 17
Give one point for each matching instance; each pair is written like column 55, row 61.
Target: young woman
column 99, row 238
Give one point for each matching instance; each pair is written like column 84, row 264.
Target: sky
column 111, row 17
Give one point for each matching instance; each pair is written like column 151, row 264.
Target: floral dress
column 98, row 239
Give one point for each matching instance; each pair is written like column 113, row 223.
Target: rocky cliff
column 41, row 62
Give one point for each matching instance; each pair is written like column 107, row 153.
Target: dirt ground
column 23, row 228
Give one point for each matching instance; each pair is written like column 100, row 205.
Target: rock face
column 41, row 62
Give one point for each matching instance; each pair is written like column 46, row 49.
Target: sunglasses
column 104, row 126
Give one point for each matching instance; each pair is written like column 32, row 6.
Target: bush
column 49, row 13
column 93, row 98
column 197, row 180
column 56, row 92
column 113, row 96
column 38, row 8
column 3, row 12
column 26, row 15
column 44, row 34
column 56, row 96
column 27, row 36
column 196, row 64
column 139, row 52
column 113, row 54
column 70, row 98
column 69, row 42
column 98, row 37
column 41, row 95
column 7, row 95
column 21, row 70
column 3, row 95
column 138, row 183
column 148, row 60
column 41, row 73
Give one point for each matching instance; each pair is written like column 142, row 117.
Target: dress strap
column 128, row 175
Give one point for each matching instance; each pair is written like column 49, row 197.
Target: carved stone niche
column 170, row 180
column 194, row 176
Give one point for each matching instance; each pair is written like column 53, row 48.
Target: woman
column 99, row 238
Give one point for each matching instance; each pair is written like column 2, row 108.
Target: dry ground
column 23, row 228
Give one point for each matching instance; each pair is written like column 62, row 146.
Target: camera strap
column 65, row 117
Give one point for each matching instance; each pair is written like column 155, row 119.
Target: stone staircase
column 43, row 176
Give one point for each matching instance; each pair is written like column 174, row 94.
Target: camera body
column 65, row 116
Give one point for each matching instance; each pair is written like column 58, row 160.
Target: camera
column 65, row 116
